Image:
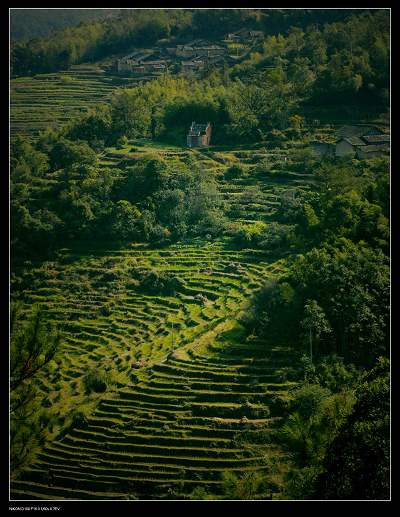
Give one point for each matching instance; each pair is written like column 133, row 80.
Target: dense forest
column 330, row 303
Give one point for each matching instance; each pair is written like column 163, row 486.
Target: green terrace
column 180, row 393
column 51, row 100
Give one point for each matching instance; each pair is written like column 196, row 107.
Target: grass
column 179, row 384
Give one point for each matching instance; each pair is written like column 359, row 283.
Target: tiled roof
column 372, row 148
column 197, row 129
column 350, row 131
column 353, row 140
column 372, row 139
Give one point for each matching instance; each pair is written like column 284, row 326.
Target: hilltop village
column 189, row 57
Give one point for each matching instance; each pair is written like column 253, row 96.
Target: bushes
column 160, row 282
column 247, row 234
column 95, row 380
column 234, row 171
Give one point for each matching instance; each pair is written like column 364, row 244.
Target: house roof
column 320, row 142
column 158, row 62
column 352, row 140
column 192, row 63
column 372, row 148
column 210, row 47
column 350, row 131
column 198, row 129
column 374, row 139
column 198, row 42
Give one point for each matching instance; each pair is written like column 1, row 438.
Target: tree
column 32, row 346
column 315, row 322
column 358, row 460
column 65, row 153
column 126, row 218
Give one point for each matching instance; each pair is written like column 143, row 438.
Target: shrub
column 234, row 171
column 96, row 381
column 122, row 142
column 78, row 419
column 160, row 282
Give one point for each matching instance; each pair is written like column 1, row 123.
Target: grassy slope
column 185, row 379
column 51, row 100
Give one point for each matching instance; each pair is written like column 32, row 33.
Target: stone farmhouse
column 199, row 135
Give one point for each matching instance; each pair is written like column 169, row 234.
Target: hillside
column 209, row 374
column 27, row 24
column 207, row 322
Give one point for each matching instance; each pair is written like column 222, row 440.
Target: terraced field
column 253, row 197
column 51, row 100
column 187, row 388
column 171, row 419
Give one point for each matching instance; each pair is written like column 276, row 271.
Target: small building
column 348, row 146
column 192, row 66
column 362, row 147
column 244, row 35
column 370, row 151
column 322, row 148
column 256, row 34
column 185, row 51
column 199, row 135
column 211, row 50
column 377, row 139
column 155, row 66
column 138, row 69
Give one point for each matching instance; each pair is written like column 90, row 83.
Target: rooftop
column 350, row 131
column 372, row 148
column 372, row 139
column 198, row 129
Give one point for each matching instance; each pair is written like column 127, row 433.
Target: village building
column 192, row 66
column 244, row 35
column 377, row 139
column 134, row 63
column 212, row 50
column 361, row 141
column 359, row 130
column 370, row 151
column 185, row 51
column 364, row 146
column 346, row 146
column 199, row 135
column 138, row 69
column 322, row 148
column 155, row 66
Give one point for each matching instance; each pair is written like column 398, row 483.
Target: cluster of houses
column 192, row 57
column 198, row 54
column 362, row 141
column 141, row 62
